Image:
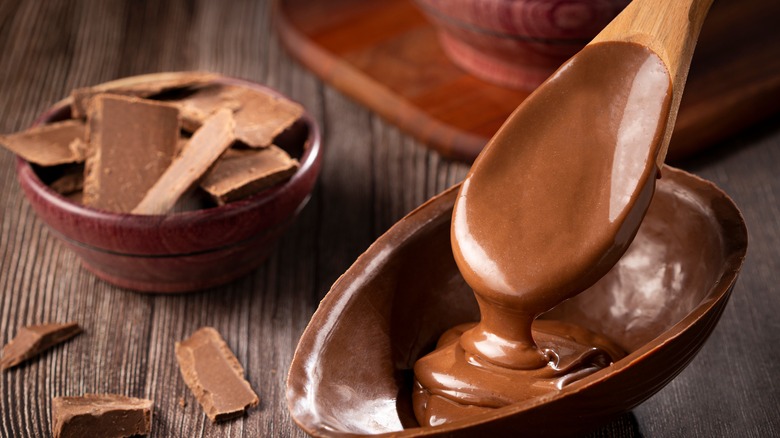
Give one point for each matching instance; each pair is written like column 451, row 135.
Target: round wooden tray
column 386, row 56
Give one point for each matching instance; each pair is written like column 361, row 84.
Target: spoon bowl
column 352, row 370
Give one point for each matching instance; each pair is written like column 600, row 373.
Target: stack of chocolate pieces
column 141, row 147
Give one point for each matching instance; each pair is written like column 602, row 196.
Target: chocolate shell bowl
column 182, row 251
column 516, row 43
column 351, row 373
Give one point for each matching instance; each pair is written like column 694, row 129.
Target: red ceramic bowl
column 352, row 370
column 182, row 251
column 517, row 43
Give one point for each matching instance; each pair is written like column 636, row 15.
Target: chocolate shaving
column 32, row 340
column 260, row 117
column 101, row 415
column 242, row 173
column 131, row 143
column 214, row 375
column 49, row 145
column 204, row 148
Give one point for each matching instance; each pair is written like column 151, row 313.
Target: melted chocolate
column 547, row 209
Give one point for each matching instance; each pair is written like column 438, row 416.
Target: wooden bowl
column 181, row 251
column 351, row 373
column 516, row 43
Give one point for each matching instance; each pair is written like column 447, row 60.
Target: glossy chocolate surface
column 659, row 303
column 547, row 209
column 452, row 383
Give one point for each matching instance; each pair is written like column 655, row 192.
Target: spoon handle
column 670, row 28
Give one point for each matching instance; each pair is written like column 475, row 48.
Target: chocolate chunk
column 157, row 84
column 242, row 173
column 204, row 148
column 259, row 116
column 76, row 197
column 214, row 375
column 49, row 145
column 100, row 415
column 70, row 182
column 131, row 143
column 33, row 340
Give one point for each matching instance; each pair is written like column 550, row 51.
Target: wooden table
column 372, row 176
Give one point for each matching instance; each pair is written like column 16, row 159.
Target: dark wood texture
column 385, row 55
column 372, row 174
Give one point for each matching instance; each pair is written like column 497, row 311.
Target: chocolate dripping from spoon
column 547, row 209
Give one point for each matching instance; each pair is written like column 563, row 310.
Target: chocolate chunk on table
column 82, row 97
column 196, row 158
column 241, row 173
column 49, row 145
column 259, row 116
column 131, row 143
column 100, row 415
column 214, row 375
column 33, row 340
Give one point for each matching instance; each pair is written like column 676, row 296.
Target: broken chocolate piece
column 242, row 173
column 49, row 145
column 214, row 375
column 70, row 182
column 131, row 143
column 157, row 84
column 100, row 415
column 204, row 148
column 259, row 116
column 76, row 197
column 35, row 339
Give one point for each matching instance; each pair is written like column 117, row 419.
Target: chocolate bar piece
column 49, row 145
column 241, row 173
column 35, row 339
column 70, row 182
column 259, row 116
column 196, row 158
column 159, row 83
column 214, row 375
column 131, row 143
column 100, row 415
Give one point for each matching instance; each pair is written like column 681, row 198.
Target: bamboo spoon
column 559, row 192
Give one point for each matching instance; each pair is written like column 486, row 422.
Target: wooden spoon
column 670, row 28
column 559, row 192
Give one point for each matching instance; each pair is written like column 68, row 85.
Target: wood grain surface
column 372, row 175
